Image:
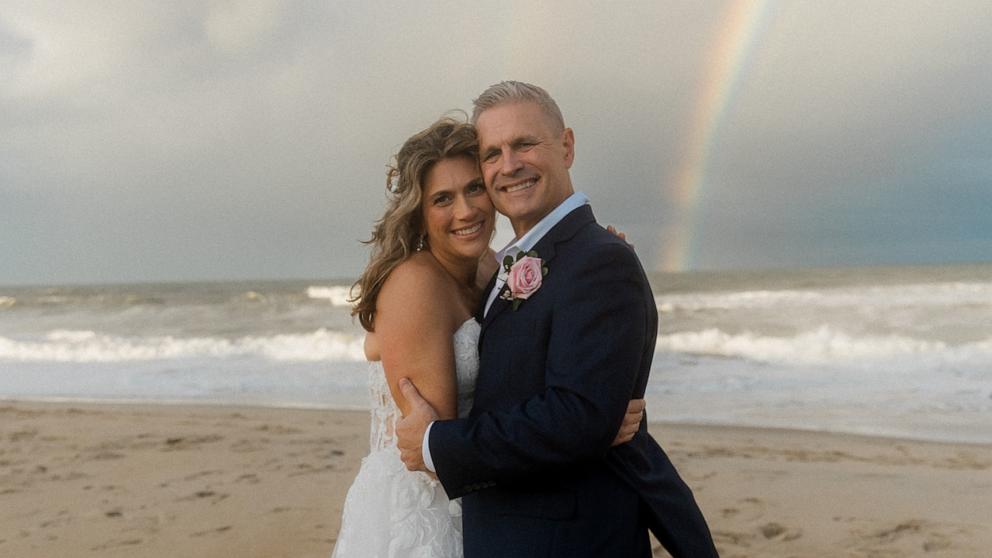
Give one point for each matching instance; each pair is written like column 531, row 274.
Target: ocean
column 886, row 351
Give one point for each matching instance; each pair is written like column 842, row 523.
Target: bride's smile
column 458, row 215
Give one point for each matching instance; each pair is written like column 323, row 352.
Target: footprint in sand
column 180, row 443
column 249, row 478
column 778, row 531
column 214, row 497
column 22, row 435
column 911, row 533
column 277, row 429
column 967, row 461
column 747, row 509
column 308, row 469
column 202, row 474
column 116, row 543
column 107, row 456
column 247, row 445
column 775, row 532
column 893, row 533
column 211, row 531
column 729, row 512
column 733, row 538
column 61, row 520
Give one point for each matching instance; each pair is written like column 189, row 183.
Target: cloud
column 148, row 140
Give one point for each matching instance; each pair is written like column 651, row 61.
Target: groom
column 567, row 340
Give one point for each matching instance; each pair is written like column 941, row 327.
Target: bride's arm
column 414, row 326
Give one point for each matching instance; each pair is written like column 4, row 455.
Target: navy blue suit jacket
column 533, row 462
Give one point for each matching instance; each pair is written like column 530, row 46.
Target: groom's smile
column 517, row 187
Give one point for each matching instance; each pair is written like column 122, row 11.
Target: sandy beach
column 156, row 481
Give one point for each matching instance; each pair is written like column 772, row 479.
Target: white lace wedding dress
column 391, row 512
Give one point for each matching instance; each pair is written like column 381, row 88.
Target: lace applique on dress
column 385, row 413
column 391, row 512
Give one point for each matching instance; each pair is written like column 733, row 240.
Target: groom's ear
column 568, row 142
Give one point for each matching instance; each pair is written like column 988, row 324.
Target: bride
column 429, row 265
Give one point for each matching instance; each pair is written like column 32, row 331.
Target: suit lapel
column 545, row 248
column 499, row 304
column 481, row 310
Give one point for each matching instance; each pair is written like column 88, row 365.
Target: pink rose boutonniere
column 523, row 276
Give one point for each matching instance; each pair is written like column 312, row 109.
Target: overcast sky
column 147, row 140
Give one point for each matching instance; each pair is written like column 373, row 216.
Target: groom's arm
column 594, row 357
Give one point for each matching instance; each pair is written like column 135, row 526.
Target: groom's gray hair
column 517, row 91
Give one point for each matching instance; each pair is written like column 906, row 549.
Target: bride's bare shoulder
column 417, row 284
column 419, row 270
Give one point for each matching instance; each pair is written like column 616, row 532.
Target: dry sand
column 157, row 481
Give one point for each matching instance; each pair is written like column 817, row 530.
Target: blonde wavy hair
column 400, row 231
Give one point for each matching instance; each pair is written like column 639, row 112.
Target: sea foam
column 825, row 345
column 888, row 296
column 337, row 295
column 90, row 346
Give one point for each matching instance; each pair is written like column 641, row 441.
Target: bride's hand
column 622, row 235
column 631, row 422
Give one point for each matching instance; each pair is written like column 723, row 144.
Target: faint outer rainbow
column 741, row 23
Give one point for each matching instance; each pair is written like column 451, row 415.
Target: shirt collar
column 530, row 239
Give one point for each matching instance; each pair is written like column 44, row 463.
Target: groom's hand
column 410, row 429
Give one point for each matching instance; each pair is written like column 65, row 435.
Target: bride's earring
column 421, row 242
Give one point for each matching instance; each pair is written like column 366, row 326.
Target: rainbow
column 741, row 23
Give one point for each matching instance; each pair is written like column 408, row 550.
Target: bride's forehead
column 451, row 174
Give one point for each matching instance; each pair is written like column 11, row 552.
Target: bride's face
column 458, row 215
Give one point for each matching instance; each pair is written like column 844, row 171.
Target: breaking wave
column 920, row 295
column 90, row 346
column 338, row 295
column 824, row 345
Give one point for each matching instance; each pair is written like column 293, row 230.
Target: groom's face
column 525, row 157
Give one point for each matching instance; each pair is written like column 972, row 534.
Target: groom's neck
column 522, row 227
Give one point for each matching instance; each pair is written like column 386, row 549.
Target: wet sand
column 200, row 481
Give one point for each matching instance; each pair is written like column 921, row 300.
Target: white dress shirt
column 524, row 243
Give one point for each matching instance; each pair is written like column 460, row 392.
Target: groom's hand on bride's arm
column 410, row 429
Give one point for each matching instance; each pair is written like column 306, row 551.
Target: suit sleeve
column 596, row 345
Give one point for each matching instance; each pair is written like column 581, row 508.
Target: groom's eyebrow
column 515, row 143
column 488, row 152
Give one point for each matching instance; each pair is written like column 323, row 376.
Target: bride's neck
column 461, row 270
